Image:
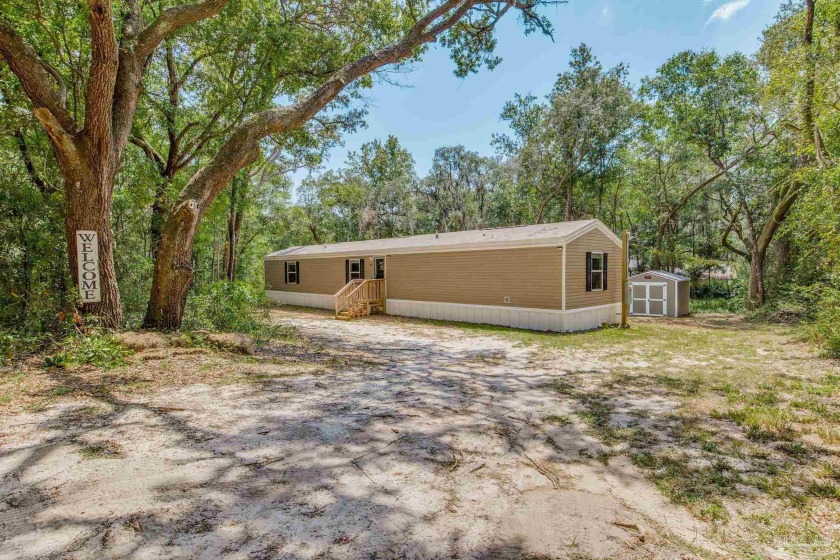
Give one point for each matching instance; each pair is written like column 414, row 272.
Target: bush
column 98, row 350
column 717, row 305
column 231, row 307
column 718, row 296
column 17, row 344
column 826, row 323
column 716, row 289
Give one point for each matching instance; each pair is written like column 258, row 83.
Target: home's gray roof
column 669, row 275
column 542, row 234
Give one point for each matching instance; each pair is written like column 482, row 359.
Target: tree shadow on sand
column 424, row 456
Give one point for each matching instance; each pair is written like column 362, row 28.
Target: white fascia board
column 481, row 246
column 599, row 225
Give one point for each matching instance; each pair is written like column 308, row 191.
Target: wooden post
column 625, row 258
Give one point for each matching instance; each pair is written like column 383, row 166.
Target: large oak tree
column 106, row 62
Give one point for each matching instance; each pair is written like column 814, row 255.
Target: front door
column 379, row 268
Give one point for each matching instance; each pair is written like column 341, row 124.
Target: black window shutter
column 285, row 272
column 362, row 268
column 346, row 271
column 297, row 267
column 604, row 281
column 589, row 271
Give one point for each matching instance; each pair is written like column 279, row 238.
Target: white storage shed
column 657, row 293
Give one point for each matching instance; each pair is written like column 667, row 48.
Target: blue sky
column 434, row 108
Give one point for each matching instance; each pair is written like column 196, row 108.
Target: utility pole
column 625, row 261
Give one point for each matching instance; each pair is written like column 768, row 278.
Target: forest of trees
column 175, row 131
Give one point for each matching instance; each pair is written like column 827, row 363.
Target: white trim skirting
column 304, row 299
column 517, row 317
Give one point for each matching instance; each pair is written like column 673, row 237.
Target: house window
column 596, row 271
column 292, row 276
column 355, row 269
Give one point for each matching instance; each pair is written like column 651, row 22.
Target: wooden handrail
column 359, row 292
column 341, row 295
column 350, row 284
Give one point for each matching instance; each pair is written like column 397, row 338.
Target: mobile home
column 553, row 277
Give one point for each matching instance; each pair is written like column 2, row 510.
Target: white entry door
column 649, row 298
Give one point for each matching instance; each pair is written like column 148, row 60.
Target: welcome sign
column 87, row 257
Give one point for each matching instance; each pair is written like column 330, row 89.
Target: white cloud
column 606, row 15
column 726, row 11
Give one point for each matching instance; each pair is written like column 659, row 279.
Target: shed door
column 649, row 298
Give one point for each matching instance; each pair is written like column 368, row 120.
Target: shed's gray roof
column 542, row 234
column 669, row 275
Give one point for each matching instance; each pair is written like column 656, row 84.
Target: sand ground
column 432, row 445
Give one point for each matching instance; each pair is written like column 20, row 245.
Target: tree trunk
column 661, row 232
column 570, row 194
column 173, row 273
column 26, row 268
column 756, row 297
column 158, row 214
column 233, row 229
column 657, row 250
column 87, row 206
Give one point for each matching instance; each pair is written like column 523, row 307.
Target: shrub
column 34, row 337
column 717, row 305
column 712, row 289
column 98, row 350
column 718, row 296
column 826, row 323
column 231, row 307
column 16, row 344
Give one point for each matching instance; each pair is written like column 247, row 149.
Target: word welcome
column 87, row 252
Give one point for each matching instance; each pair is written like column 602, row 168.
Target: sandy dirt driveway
column 433, row 446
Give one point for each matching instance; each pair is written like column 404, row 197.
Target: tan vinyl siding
column 317, row 276
column 576, row 294
column 531, row 277
column 685, row 298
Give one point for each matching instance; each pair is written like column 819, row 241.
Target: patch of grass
column 596, row 413
column 687, row 386
column 698, row 487
column 829, row 434
column 11, row 385
column 712, row 511
column 61, row 390
column 765, row 423
column 558, row 419
column 106, row 449
column 830, row 471
column 824, row 490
